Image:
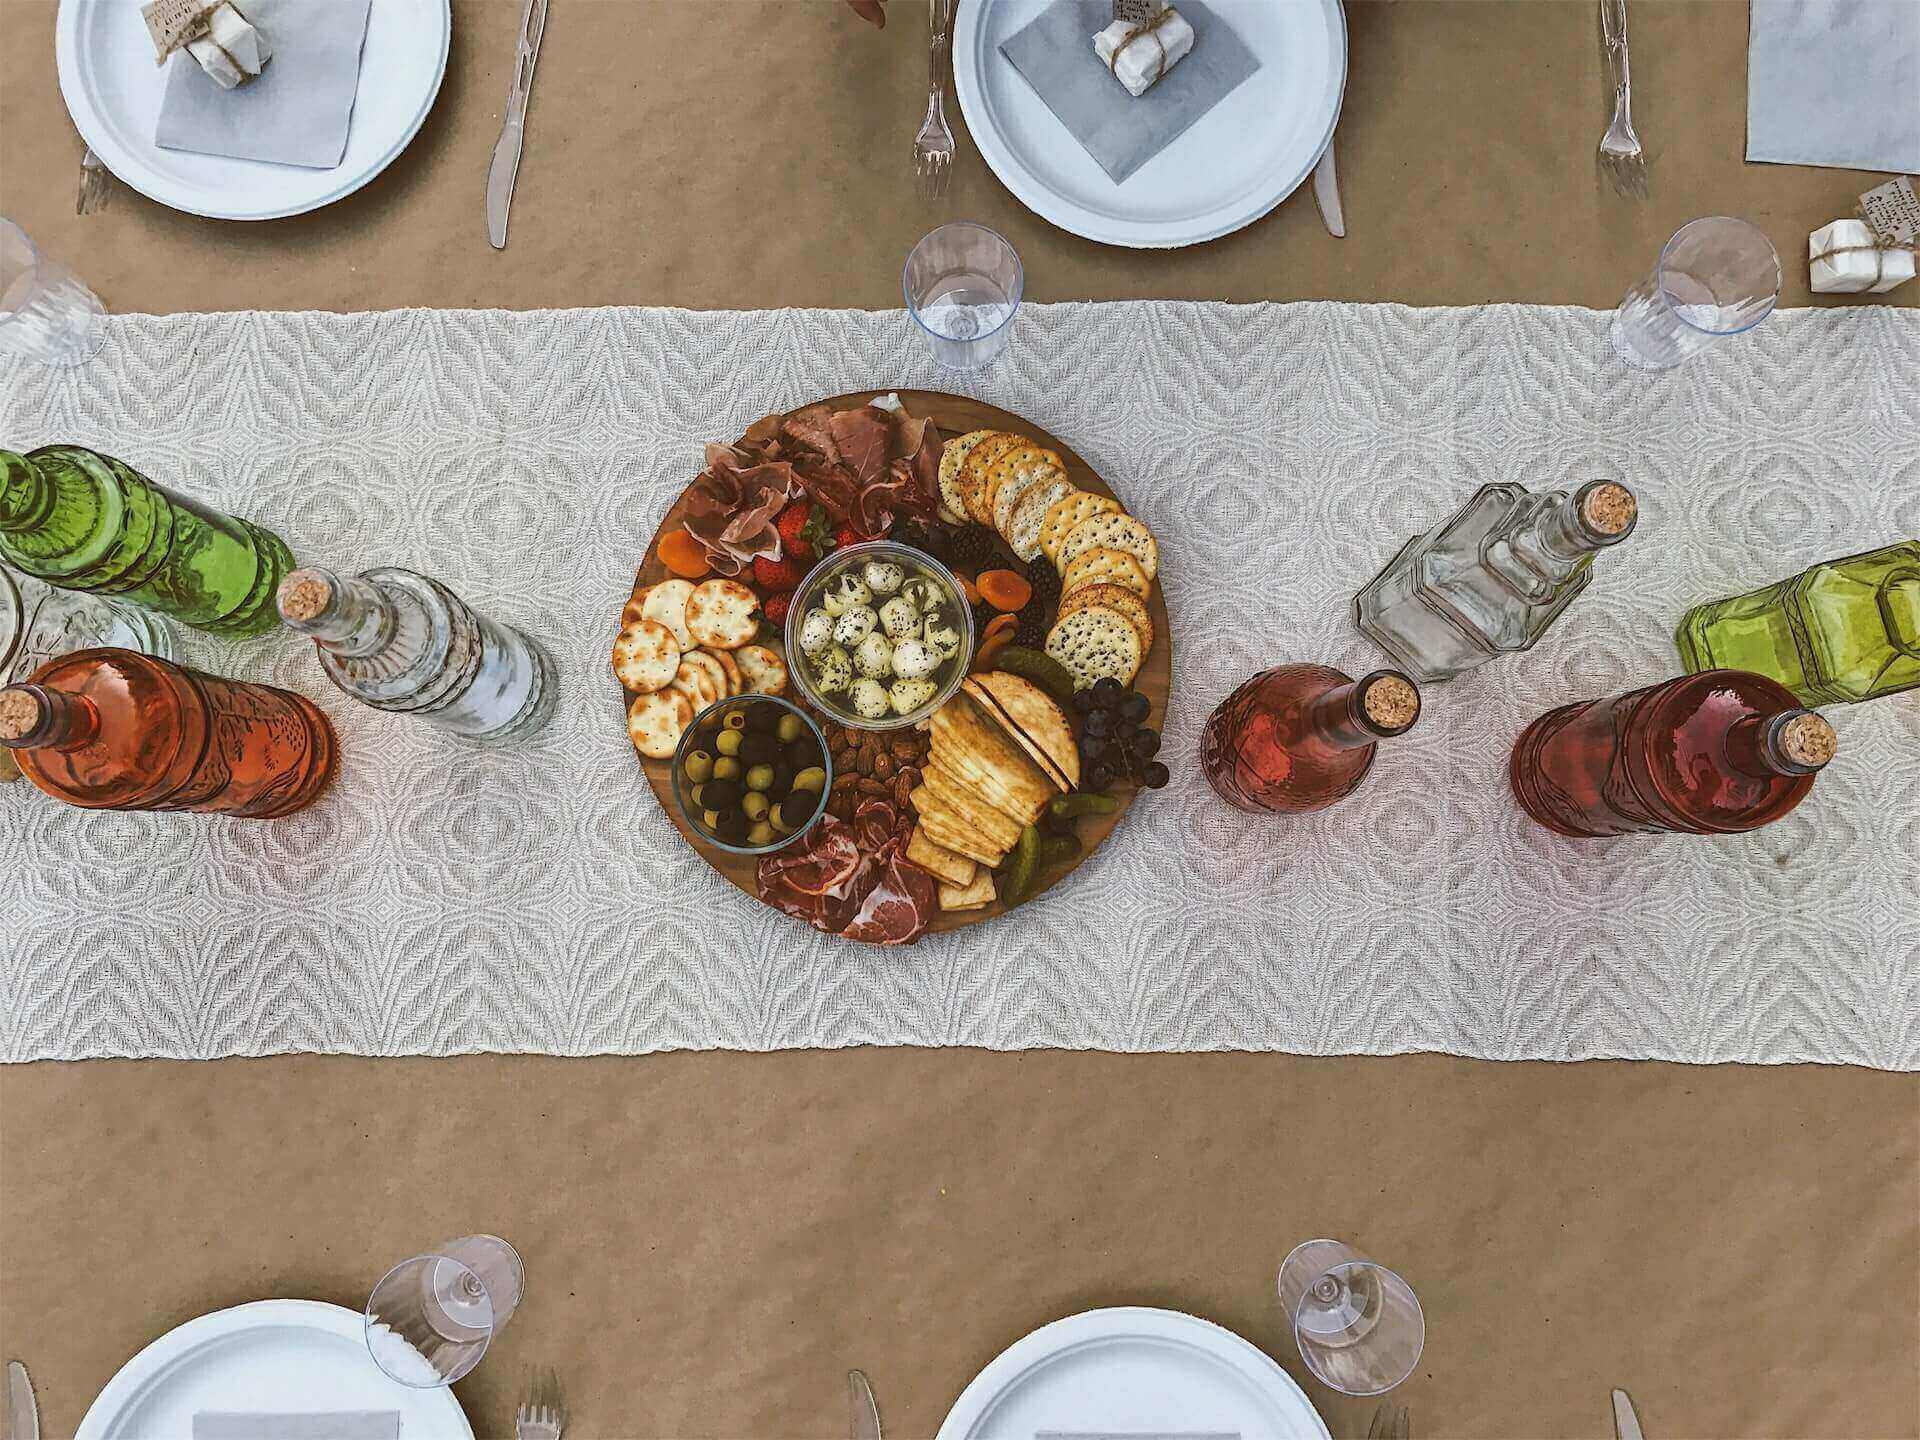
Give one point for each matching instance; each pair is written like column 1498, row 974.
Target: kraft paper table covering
column 443, row 900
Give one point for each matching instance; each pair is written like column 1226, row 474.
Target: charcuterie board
column 953, row 416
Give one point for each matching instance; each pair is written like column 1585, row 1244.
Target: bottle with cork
column 1710, row 754
column 1300, row 737
column 1490, row 580
column 397, row 641
column 117, row 730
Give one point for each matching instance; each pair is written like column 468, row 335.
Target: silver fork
column 1389, row 1424
column 543, row 1417
column 1620, row 153
column 933, row 146
column 96, row 185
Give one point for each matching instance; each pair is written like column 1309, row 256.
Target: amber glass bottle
column 1711, row 754
column 1300, row 737
column 115, row 730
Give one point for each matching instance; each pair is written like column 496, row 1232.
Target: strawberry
column 778, row 576
column 846, row 535
column 792, row 524
column 776, row 607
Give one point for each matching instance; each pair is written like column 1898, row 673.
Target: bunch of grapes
column 1115, row 741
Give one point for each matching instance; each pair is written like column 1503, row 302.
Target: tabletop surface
column 712, row 1240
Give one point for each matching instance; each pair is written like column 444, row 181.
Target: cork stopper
column 304, row 595
column 1807, row 740
column 1608, row 509
column 1389, row 701
column 19, row 714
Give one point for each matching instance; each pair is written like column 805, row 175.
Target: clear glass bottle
column 1841, row 631
column 1300, row 737
column 116, row 730
column 81, row 520
column 398, row 641
column 1491, row 580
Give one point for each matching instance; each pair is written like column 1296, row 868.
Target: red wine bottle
column 1300, row 737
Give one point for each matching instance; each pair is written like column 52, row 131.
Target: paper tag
column 172, row 23
column 1893, row 211
column 1137, row 12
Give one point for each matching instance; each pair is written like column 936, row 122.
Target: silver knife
column 866, row 1414
column 1626, row 1424
column 506, row 150
column 1326, row 193
column 23, row 1416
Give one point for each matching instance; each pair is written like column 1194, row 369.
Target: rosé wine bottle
column 1300, row 737
column 1710, row 754
column 115, row 730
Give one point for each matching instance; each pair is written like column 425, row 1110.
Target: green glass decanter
column 1842, row 631
column 81, row 520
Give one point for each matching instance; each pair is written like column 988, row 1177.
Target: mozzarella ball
column 854, row 625
column 844, row 592
column 883, row 577
column 870, row 699
column 923, row 592
column 942, row 635
column 909, row 695
column 816, row 632
column 832, row 670
column 874, row 657
column 913, row 660
column 900, row 618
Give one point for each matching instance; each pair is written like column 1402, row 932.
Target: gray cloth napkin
column 338, row 1425
column 296, row 111
column 1055, row 55
column 1834, row 82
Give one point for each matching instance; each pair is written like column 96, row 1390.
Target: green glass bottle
column 81, row 520
column 1843, row 631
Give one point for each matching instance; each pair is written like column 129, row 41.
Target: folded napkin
column 1055, row 56
column 1834, row 82
column 338, row 1425
column 296, row 112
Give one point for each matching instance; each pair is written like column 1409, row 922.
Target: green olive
column 761, row 834
column 726, row 768
column 710, row 819
column 698, row 766
column 778, row 820
column 791, row 728
column 735, row 720
column 813, row 778
column 755, row 805
column 728, row 741
column 694, row 797
column 759, row 777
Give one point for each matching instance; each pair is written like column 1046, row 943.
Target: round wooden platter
column 955, row 415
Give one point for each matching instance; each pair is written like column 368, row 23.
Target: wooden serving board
column 955, row 415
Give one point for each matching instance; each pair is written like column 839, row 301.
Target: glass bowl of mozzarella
column 879, row 636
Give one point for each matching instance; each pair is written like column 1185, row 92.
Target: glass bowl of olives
column 879, row 636
column 752, row 774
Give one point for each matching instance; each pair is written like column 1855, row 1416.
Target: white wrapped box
column 1148, row 56
column 1842, row 259
column 231, row 51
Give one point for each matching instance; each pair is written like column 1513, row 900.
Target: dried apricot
column 681, row 554
column 1005, row 589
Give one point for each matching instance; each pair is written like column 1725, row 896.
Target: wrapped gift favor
column 221, row 39
column 1847, row 257
column 1141, row 53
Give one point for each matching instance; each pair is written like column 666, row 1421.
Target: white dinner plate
column 1242, row 158
column 113, row 91
column 275, row 1357
column 1132, row 1371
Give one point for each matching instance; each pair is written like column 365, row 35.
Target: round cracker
column 1111, row 597
column 704, row 661
column 667, row 603
column 635, row 608
column 645, row 656
column 1102, row 566
column 972, row 479
column 1067, row 513
column 1113, row 532
column 726, row 661
column 764, row 671
column 656, row 722
column 1023, row 530
column 695, row 683
column 952, row 457
column 722, row 614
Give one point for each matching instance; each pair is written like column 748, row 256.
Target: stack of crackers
column 683, row 647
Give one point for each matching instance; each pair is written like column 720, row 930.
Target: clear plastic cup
column 963, row 284
column 46, row 314
column 431, row 1317
column 1359, row 1326
column 1717, row 277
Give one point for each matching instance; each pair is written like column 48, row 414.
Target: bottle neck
column 1360, row 712
column 26, row 496
column 351, row 617
column 1600, row 513
column 33, row 717
column 1793, row 742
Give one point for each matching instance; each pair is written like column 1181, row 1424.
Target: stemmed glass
column 963, row 284
column 1358, row 1325
column 430, row 1318
column 46, row 314
column 1716, row 277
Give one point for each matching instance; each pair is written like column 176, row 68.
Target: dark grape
column 1093, row 747
column 1082, row 702
column 1107, row 690
column 1122, row 729
column 1153, row 775
column 1145, row 744
column 1135, row 707
column 1099, row 777
column 1099, row 722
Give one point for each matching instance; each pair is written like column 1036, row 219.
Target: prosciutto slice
column 851, row 878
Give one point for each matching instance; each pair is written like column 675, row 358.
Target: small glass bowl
column 717, row 714
column 807, row 598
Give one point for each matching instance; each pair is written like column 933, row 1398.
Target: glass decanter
column 1841, row 631
column 116, row 730
column 1300, row 737
column 1491, row 580
column 1710, row 754
column 398, row 641
column 81, row 520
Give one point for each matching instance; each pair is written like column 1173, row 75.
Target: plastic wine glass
column 431, row 1317
column 963, row 284
column 46, row 314
column 1358, row 1325
column 1717, row 276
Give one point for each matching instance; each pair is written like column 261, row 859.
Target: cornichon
column 1057, row 848
column 1021, row 868
column 1045, row 671
column 1086, row 802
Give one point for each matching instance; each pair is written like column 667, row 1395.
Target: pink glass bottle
column 1300, row 737
column 1709, row 754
